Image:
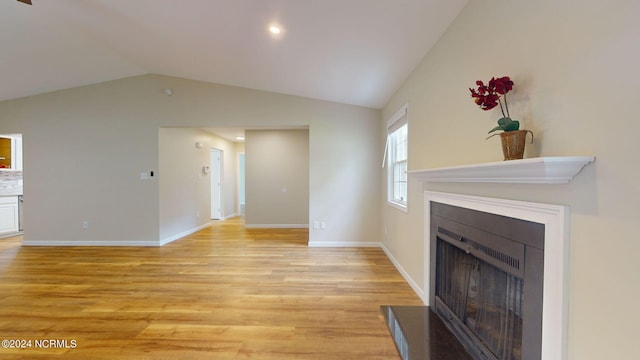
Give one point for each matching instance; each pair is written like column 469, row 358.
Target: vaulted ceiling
column 350, row 51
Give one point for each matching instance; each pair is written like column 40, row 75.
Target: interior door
column 216, row 184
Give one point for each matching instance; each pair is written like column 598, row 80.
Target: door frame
column 215, row 175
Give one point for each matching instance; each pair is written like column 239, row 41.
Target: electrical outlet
column 85, row 225
column 316, row 224
column 323, row 225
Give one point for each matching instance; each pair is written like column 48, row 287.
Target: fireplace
column 551, row 310
column 487, row 272
column 521, row 246
column 531, row 269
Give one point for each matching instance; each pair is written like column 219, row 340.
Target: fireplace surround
column 551, row 223
column 554, row 218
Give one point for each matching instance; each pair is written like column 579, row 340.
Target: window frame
column 398, row 121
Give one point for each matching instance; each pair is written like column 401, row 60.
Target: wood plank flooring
column 225, row 292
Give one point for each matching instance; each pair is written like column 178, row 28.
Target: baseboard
column 6, row 235
column 276, row 226
column 229, row 216
column 226, row 217
column 406, row 276
column 184, row 233
column 114, row 242
column 342, row 244
column 90, row 243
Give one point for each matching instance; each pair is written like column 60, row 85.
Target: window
column 396, row 156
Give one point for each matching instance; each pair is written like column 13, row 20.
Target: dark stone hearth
column 419, row 334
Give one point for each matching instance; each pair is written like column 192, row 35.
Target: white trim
column 184, row 233
column 227, row 217
column 399, row 115
column 219, row 177
column 114, row 242
column 555, row 218
column 276, row 226
column 414, row 285
column 401, row 207
column 541, row 170
column 90, row 243
column 11, row 234
column 238, row 187
column 343, row 244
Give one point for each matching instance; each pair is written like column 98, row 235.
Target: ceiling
column 349, row 51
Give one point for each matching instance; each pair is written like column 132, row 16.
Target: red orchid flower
column 489, row 96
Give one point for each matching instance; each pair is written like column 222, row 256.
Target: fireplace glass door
column 487, row 300
column 488, row 271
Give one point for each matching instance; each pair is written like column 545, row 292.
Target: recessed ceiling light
column 275, row 29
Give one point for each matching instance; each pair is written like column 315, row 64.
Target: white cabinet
column 8, row 214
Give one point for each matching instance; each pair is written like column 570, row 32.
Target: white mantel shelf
column 541, row 170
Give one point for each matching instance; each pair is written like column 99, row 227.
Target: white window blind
column 396, row 157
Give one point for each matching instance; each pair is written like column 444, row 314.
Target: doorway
column 11, row 185
column 216, row 186
column 241, row 183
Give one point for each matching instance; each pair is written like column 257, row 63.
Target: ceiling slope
column 349, row 51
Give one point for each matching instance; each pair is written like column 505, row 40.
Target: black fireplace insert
column 488, row 276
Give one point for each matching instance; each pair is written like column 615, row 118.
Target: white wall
column 574, row 64
column 85, row 148
column 277, row 178
column 341, row 178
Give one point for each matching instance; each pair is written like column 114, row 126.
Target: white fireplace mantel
column 540, row 170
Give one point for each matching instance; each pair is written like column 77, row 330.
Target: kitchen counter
column 10, row 189
column 8, row 193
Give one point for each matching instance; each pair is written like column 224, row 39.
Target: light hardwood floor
column 222, row 293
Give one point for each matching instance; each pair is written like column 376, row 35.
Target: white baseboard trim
column 6, row 235
column 90, row 243
column 406, row 276
column 230, row 216
column 276, row 226
column 226, row 217
column 342, row 244
column 114, row 242
column 184, row 233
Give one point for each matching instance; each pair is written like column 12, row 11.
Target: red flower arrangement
column 489, row 96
